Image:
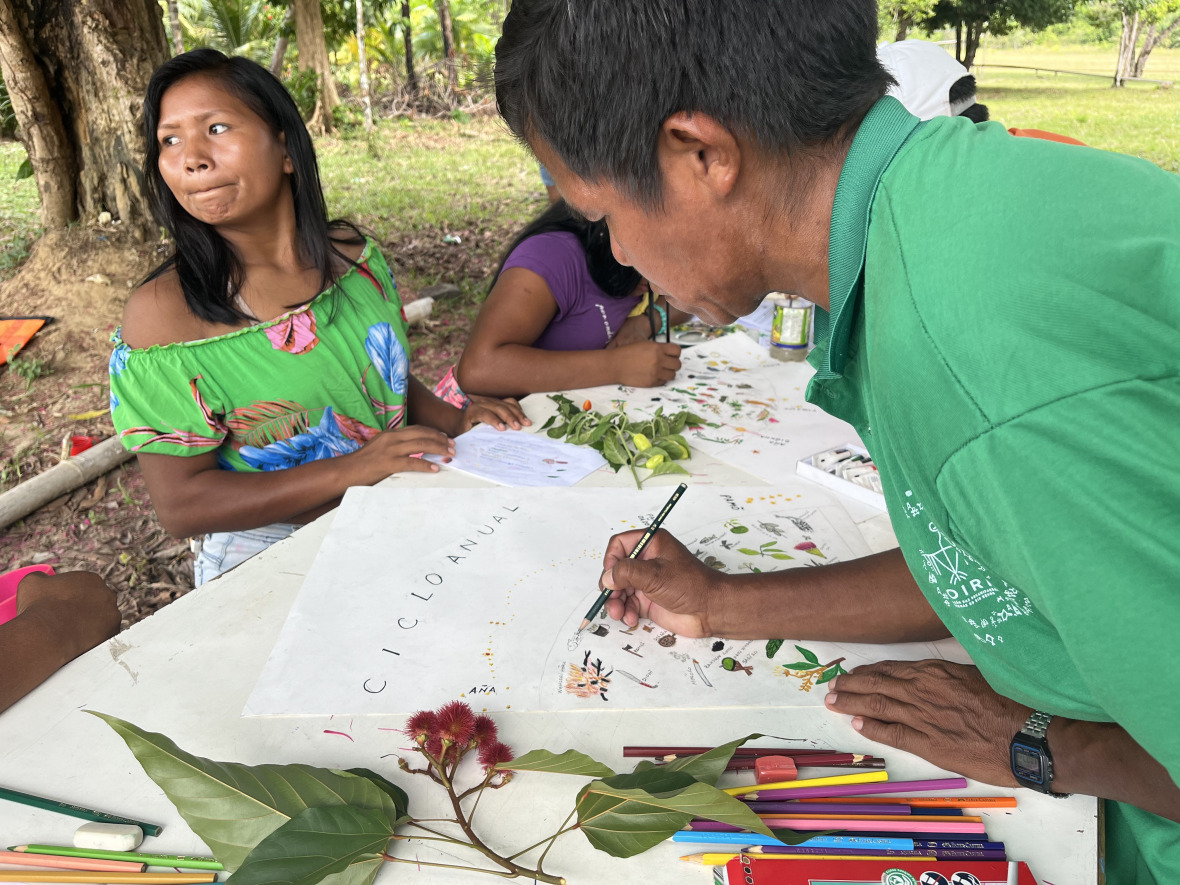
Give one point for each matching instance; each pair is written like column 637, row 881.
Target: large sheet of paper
column 421, row 596
column 758, row 419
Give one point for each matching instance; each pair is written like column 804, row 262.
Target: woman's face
column 221, row 161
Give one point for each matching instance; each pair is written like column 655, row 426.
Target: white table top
column 187, row 670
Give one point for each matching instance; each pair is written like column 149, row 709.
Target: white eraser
column 108, row 837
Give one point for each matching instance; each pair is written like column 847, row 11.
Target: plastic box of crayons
column 752, row 871
column 846, row 469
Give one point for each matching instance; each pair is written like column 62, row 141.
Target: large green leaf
column 401, row 802
column 233, row 807
column 706, row 767
column 630, row 813
column 335, row 845
column 569, row 762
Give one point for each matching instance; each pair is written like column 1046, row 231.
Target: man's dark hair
column 595, row 79
column 209, row 270
column 615, row 279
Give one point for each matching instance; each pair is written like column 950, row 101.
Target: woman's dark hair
column 209, row 270
column 615, row 279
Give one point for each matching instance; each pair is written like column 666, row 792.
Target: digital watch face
column 1027, row 763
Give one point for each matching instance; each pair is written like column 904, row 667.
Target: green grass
column 19, row 224
column 1140, row 119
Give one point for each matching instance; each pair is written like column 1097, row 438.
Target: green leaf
column 799, row 665
column 694, row 420
column 549, row 423
column 706, row 767
column 339, row 845
column 780, row 556
column 674, row 449
column 569, row 762
column 772, row 647
column 557, row 432
column 808, row 655
column 614, row 452
column 738, row 529
column 666, row 467
column 678, row 421
column 748, row 551
column 401, row 801
column 599, row 432
column 233, row 807
column 24, row 170
column 828, row 676
column 629, row 813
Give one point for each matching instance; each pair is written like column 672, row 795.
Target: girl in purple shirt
column 557, row 317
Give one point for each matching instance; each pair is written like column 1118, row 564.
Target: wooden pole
column 61, row 479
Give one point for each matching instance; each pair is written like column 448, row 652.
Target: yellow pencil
column 106, row 878
column 861, row 777
column 719, row 860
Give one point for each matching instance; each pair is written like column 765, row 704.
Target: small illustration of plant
column 770, row 548
column 736, row 527
column 809, row 670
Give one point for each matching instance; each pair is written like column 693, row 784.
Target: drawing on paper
column 588, row 679
column 810, row 671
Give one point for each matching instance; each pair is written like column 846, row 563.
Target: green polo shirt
column 1004, row 334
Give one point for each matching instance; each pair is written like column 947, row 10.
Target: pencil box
column 846, row 469
column 747, row 870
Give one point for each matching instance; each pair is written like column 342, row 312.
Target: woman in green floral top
column 263, row 369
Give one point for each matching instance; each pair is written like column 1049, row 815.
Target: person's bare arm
column 58, row 618
column 873, row 599
column 500, row 360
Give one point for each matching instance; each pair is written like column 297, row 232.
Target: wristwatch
column 1032, row 763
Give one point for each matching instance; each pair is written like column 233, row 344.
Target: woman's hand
column 397, row 451
column 498, row 413
column 647, row 364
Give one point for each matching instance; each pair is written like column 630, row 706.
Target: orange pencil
column 19, row 858
column 933, row 801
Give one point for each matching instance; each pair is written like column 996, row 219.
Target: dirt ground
column 82, row 277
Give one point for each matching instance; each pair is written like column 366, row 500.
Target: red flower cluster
column 494, row 753
column 454, row 727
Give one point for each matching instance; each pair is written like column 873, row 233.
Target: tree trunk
column 281, row 44
column 959, row 42
column 77, row 71
column 905, row 21
column 411, row 76
column 1127, row 40
column 174, row 27
column 364, row 75
column 448, row 40
column 1154, row 38
column 971, row 44
column 313, row 55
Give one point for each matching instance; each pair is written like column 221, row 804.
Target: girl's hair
column 615, row 279
column 209, row 270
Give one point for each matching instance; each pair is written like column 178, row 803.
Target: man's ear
column 700, row 148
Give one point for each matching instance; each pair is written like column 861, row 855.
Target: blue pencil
column 898, row 844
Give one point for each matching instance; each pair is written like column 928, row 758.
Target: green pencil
column 182, row 861
column 76, row 811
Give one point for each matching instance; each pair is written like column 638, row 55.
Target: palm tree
column 235, row 27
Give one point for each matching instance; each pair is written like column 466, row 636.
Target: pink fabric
column 8, row 586
column 448, row 390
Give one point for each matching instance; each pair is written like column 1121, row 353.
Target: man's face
column 697, row 250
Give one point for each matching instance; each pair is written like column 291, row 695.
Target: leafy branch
column 653, row 443
column 300, row 825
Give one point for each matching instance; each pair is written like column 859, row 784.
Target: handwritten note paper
column 521, row 459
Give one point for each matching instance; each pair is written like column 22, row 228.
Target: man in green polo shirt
column 1001, row 323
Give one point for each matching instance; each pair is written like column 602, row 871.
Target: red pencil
column 834, row 760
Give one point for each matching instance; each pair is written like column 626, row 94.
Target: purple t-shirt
column 587, row 318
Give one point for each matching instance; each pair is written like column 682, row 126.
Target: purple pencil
column 940, row 853
column 828, row 808
column 946, row 783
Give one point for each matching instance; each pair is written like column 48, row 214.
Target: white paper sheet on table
column 519, row 458
column 421, row 596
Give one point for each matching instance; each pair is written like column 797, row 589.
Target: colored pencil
column 634, row 554
column 764, row 791
column 853, row 780
column 893, row 843
column 938, row 801
column 720, row 860
column 106, row 878
column 835, row 760
column 940, row 853
column 827, row 808
column 921, row 846
column 16, row 858
column 845, row 825
column 183, row 861
column 76, row 810
column 881, row 818
column 658, row 752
